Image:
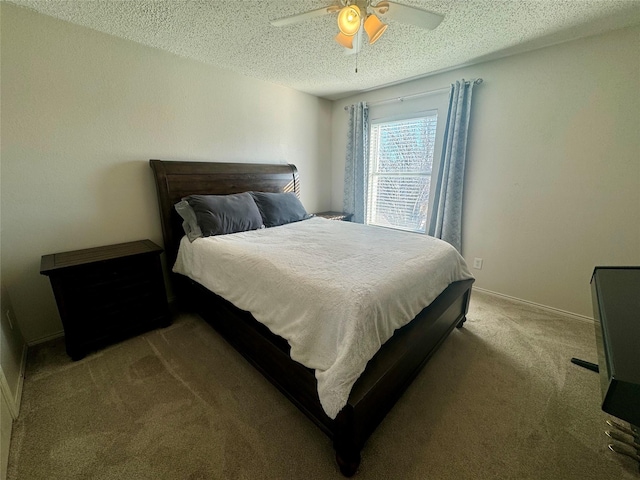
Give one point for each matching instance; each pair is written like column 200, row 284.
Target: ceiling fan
column 354, row 16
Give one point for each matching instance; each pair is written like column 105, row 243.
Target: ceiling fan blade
column 412, row 16
column 301, row 17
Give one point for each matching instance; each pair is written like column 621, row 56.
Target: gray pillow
column 223, row 214
column 279, row 208
column 190, row 222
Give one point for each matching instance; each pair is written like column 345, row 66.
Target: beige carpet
column 499, row 400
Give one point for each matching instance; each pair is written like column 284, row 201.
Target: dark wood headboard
column 176, row 180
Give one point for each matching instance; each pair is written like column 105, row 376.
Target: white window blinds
column 400, row 165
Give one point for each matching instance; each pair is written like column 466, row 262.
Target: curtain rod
column 476, row 81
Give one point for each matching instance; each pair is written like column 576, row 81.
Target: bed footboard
column 387, row 376
column 392, row 370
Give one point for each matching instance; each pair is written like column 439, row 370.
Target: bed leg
column 348, row 461
column 345, row 442
column 461, row 322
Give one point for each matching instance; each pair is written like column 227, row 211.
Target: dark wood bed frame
column 388, row 373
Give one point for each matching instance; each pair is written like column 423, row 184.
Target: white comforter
column 336, row 291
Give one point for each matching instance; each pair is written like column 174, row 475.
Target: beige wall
column 553, row 167
column 83, row 112
column 13, row 353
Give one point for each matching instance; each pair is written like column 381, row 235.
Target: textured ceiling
column 237, row 35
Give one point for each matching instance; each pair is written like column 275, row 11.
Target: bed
column 386, row 375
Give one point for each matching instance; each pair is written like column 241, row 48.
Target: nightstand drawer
column 115, row 280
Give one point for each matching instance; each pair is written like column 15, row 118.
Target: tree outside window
column 400, row 165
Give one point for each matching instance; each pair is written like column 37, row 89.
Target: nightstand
column 345, row 217
column 105, row 294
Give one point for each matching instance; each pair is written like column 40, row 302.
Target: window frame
column 374, row 175
column 407, row 110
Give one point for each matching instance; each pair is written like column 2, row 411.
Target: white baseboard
column 46, row 338
column 23, row 367
column 565, row 313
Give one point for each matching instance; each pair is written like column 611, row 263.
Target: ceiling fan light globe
column 349, row 20
column 374, row 28
column 344, row 40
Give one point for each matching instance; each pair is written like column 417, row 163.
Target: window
column 400, row 166
column 404, row 147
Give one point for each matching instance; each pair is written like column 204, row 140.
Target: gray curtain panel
column 356, row 164
column 446, row 216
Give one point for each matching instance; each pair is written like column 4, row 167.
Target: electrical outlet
column 477, row 263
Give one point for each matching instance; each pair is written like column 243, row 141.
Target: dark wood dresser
column 107, row 293
column 616, row 310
